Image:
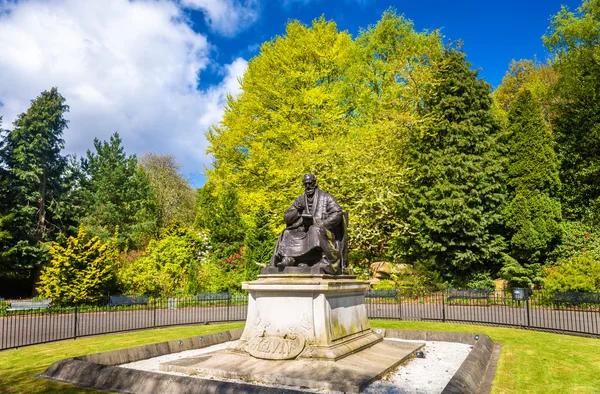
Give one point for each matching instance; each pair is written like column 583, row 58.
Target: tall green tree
column 293, row 101
column 315, row 101
column 259, row 244
column 176, row 198
column 31, row 154
column 118, row 194
column 528, row 74
column 219, row 215
column 574, row 39
column 533, row 211
column 454, row 188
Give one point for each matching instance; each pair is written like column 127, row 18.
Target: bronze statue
column 315, row 239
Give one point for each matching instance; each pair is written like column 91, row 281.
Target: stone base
column 351, row 374
column 317, row 317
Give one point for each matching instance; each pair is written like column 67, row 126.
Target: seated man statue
column 315, row 232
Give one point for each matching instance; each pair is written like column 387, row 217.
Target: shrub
column 169, row 265
column 577, row 238
column 580, row 272
column 481, row 281
column 83, row 270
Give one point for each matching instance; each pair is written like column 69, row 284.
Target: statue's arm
column 292, row 214
column 334, row 214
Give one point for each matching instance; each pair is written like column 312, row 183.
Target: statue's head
column 310, row 184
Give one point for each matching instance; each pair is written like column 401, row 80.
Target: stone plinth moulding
column 299, row 316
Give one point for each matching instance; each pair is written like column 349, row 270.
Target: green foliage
column 385, row 284
column 175, row 197
column 454, row 186
column 481, row 281
column 258, row 244
column 529, row 75
column 576, row 238
column 118, row 193
column 170, row 265
column 520, row 275
column 580, row 272
column 80, row 271
column 223, row 274
column 315, row 101
column 219, row 216
column 31, row 158
column 533, row 211
column 574, row 39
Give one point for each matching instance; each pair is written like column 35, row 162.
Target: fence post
column 228, row 305
column 527, row 306
column 443, row 307
column 75, row 324
column 154, row 304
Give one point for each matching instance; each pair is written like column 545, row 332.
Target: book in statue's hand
column 307, row 217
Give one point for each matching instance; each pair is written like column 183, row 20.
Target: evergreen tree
column 454, row 186
column 574, row 39
column 220, row 216
column 82, row 270
column 533, row 211
column 259, row 244
column 118, row 194
column 31, row 153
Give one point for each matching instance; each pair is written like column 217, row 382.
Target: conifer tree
column 454, row 185
column 259, row 243
column 31, row 152
column 574, row 39
column 118, row 194
column 82, row 270
column 533, row 211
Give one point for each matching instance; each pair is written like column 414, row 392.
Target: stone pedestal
column 300, row 316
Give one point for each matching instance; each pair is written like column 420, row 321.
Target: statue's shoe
column 286, row 262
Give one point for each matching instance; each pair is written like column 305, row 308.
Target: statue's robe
column 308, row 242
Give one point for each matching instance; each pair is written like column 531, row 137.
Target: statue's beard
column 310, row 192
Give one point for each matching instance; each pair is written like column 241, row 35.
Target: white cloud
column 123, row 66
column 226, row 17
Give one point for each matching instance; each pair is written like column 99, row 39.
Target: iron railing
column 572, row 314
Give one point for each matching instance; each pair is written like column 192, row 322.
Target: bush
column 577, row 238
column 580, row 272
column 481, row 281
column 169, row 266
column 83, row 270
column 518, row 275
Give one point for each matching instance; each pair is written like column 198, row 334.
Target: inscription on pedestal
column 275, row 347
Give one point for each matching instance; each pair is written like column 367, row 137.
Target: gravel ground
column 428, row 375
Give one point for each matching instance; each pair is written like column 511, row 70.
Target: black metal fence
column 113, row 314
column 571, row 313
column 563, row 312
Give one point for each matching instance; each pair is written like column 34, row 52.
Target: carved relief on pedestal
column 274, row 347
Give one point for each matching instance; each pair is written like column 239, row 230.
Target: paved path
column 21, row 330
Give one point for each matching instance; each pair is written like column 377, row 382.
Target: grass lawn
column 530, row 361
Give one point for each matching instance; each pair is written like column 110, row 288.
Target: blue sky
column 158, row 71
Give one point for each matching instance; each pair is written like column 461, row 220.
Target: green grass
column 18, row 365
column 530, row 361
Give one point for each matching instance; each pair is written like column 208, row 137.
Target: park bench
column 389, row 294
column 220, row 296
column 128, row 300
column 576, row 298
column 29, row 305
column 481, row 294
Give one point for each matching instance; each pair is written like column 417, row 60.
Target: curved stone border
column 476, row 373
column 100, row 370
